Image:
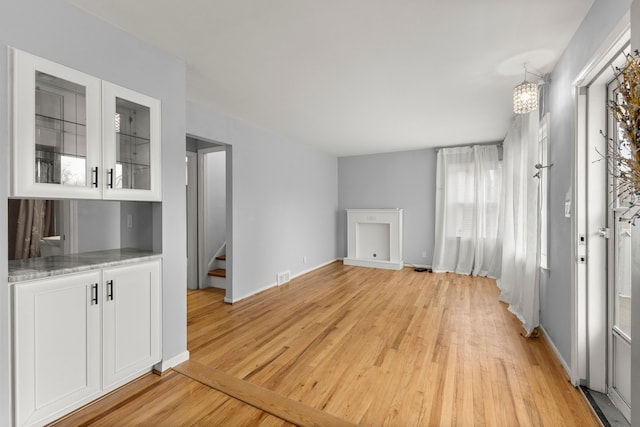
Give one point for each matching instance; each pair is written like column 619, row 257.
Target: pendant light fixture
column 525, row 96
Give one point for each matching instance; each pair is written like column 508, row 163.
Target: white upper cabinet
column 55, row 130
column 76, row 136
column 131, row 144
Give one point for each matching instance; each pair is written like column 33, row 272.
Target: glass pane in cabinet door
column 60, row 131
column 133, row 162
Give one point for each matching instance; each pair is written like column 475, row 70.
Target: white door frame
column 193, row 281
column 203, row 213
column 589, row 214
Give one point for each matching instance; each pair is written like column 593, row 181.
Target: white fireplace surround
column 374, row 238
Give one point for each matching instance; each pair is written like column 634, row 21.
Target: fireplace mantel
column 374, row 238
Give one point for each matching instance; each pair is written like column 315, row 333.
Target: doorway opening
column 601, row 249
column 208, row 214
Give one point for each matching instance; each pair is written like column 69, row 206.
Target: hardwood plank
column 261, row 398
column 372, row 347
column 170, row 400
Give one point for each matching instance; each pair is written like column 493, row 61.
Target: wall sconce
column 525, row 96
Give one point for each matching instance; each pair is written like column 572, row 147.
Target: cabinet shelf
column 136, row 140
column 49, row 119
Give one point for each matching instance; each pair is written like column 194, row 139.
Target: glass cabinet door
column 131, row 141
column 56, row 130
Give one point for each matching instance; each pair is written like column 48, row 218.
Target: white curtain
column 467, row 236
column 519, row 277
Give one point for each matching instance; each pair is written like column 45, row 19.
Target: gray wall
column 58, row 31
column 216, row 202
column 284, row 199
column 405, row 180
column 98, row 225
column 140, row 234
column 555, row 288
column 104, row 225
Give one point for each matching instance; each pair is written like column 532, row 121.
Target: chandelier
column 525, row 96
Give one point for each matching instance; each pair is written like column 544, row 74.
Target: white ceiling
column 357, row 76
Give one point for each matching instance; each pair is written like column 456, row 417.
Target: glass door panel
column 132, row 146
column 620, row 268
column 60, row 131
column 622, row 277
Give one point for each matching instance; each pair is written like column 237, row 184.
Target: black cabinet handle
column 110, row 175
column 109, row 290
column 94, row 294
column 94, row 177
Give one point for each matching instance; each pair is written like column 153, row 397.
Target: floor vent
column 283, row 278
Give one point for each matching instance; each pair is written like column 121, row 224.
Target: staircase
column 217, row 276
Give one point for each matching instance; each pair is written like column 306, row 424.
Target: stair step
column 222, row 257
column 218, row 272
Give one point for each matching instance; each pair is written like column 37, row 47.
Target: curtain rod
column 499, row 144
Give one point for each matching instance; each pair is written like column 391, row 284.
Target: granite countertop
column 36, row 268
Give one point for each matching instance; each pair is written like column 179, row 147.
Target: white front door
column 620, row 265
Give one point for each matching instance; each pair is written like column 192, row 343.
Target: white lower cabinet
column 57, row 345
column 78, row 336
column 131, row 321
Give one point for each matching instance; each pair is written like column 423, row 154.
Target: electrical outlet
column 129, row 221
column 424, row 254
column 304, row 259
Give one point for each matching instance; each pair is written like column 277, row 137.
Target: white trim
column 564, row 364
column 302, row 273
column 192, row 223
column 578, row 340
column 387, row 265
column 588, row 339
column 273, row 285
column 170, row 363
column 619, row 403
column 250, row 294
column 543, row 188
column 202, row 224
column 203, row 230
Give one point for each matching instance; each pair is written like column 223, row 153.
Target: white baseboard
column 170, row 363
column 555, row 350
column 407, row 265
column 234, row 300
column 387, row 265
column 302, row 273
column 257, row 291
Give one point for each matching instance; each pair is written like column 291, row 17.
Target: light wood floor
column 366, row 346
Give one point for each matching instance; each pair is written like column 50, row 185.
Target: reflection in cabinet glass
column 60, row 131
column 133, row 139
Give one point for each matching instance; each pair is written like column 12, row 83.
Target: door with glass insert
column 131, row 144
column 55, row 130
column 622, row 254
